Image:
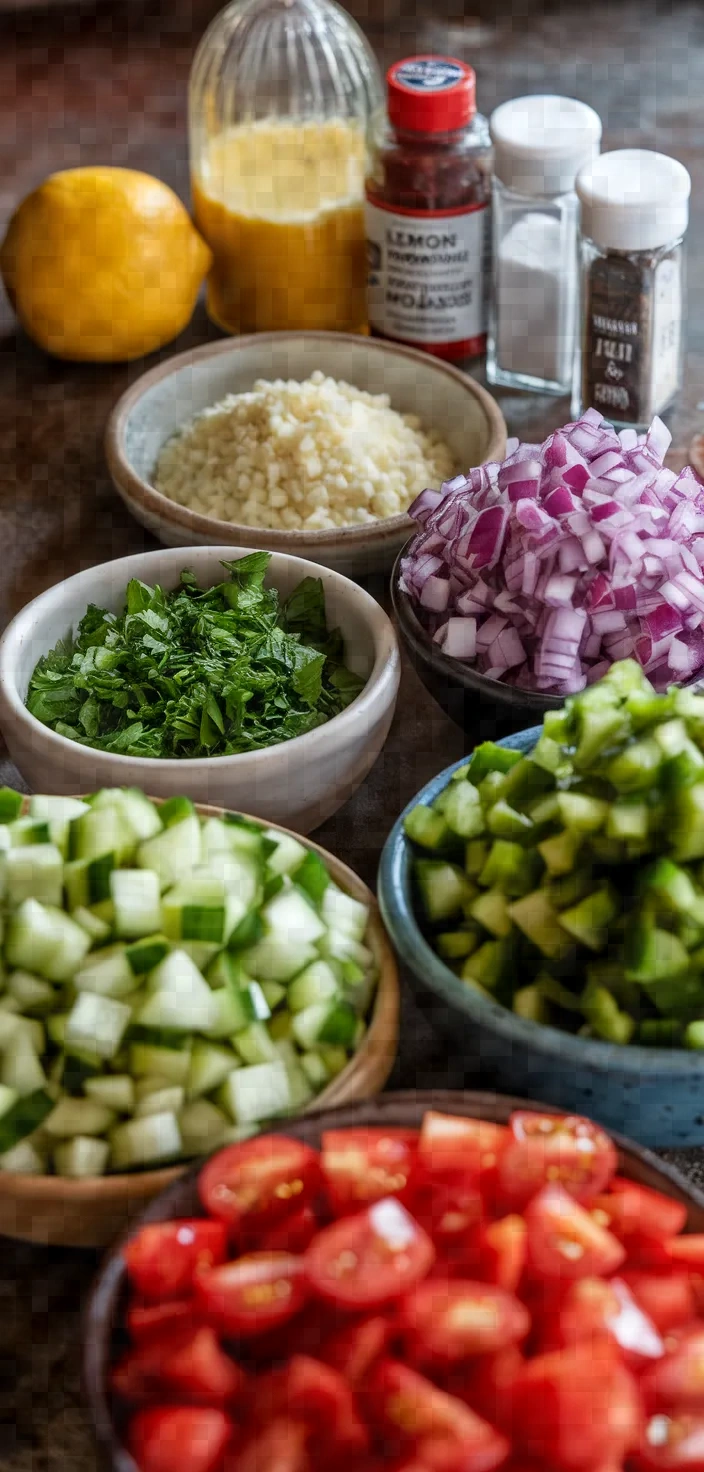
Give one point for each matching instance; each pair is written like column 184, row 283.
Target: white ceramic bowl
column 298, row 783
column 165, row 399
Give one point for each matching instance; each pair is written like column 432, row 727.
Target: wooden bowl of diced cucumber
column 173, row 977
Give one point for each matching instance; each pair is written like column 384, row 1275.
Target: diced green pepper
column 489, row 966
column 444, row 888
column 489, row 757
column 694, row 1035
column 559, row 853
column 627, row 676
column 557, row 724
column 598, row 730
column 605, row 1016
column 510, row 868
column 525, row 781
column 535, row 916
column 568, row 889
column 529, row 1002
column 463, row 810
column 589, row 921
column 475, row 856
column 654, row 955
column 504, row 822
column 627, row 821
column 687, row 826
column 549, row 754
column 581, row 813
column 660, row 1032
column 636, row 768
column 456, row 945
column 491, row 910
column 426, row 827
column 554, row 991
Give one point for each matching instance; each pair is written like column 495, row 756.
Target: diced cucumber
column 254, row 1044
column 106, row 973
column 173, row 853
column 316, row 984
column 655, row 955
column 144, row 955
column 334, row 1058
column 88, row 880
column 444, row 889
column 136, row 896
column 96, row 928
column 325, row 1022
column 280, row 1026
column 116, row 1091
column 315, row 1070
column 582, row 814
column 97, row 1023
column 58, row 812
column 162, row 1100
column 215, row 838
column 31, row 992
column 341, row 912
column 180, row 997
column 300, row 1091
column 44, row 940
column 487, row 967
column 535, row 916
column 34, row 872
column 171, row 1064
column 426, row 827
column 210, row 1065
column 142, row 815
column 202, row 1127
column 102, row 830
column 232, row 1010
column 81, row 1157
column 628, row 821
column 287, row 853
column 21, row 1068
column 201, row 909
column 23, row 1159
column 149, row 1141
column 274, row 994
column 150, row 1085
column 23, row 1117
column 503, row 821
column 510, row 868
column 275, row 959
column 10, row 804
column 29, row 831
column 78, row 1117
column 256, row 1093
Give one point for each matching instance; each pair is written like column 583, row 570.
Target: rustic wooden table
column 109, row 86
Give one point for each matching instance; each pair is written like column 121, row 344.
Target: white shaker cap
column 541, row 143
column 634, row 200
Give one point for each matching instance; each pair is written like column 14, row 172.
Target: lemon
column 102, row 264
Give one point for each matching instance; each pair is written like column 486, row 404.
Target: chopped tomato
column 449, row 1207
column 407, row 1407
column 150, row 1320
column 354, row 1351
column 630, row 1210
column 137, row 1374
column 279, row 1447
column 565, row 1242
column 499, row 1252
column 253, row 1294
column 577, row 1408
column 687, row 1251
column 554, row 1149
column 364, row 1165
column 192, row 1439
column 306, row 1390
column 367, row 1260
column 667, row 1299
column 446, row 1454
column 672, row 1444
column 162, row 1259
column 444, row 1323
column 472, row 1147
column 193, row 1366
column 488, row 1387
column 593, row 1306
column 258, row 1181
column 676, row 1383
column 293, row 1233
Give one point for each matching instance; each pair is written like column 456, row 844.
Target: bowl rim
column 383, row 1013
column 99, row 1316
column 533, row 702
column 393, row 886
column 345, row 538
column 383, row 676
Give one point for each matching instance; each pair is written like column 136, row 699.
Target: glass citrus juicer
column 281, row 96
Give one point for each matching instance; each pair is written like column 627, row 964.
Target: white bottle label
column 667, row 332
column 427, row 276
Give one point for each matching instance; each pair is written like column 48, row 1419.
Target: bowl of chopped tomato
column 441, row 1282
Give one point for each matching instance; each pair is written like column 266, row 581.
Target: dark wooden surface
column 109, row 86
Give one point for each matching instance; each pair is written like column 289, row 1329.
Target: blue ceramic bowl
column 655, row 1095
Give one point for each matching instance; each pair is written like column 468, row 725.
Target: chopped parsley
column 195, row 673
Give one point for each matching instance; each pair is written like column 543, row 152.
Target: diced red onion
column 435, row 594
column 460, row 638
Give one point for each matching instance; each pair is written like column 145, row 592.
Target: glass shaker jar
column 635, row 211
column 540, row 145
column 428, row 210
column 281, row 94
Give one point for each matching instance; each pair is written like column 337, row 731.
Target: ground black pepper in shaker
column 635, row 210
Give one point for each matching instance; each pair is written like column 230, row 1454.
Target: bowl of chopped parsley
column 253, row 680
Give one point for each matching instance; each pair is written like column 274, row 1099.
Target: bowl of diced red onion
column 527, row 579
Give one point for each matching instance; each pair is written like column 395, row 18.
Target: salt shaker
column 540, row 145
column 635, row 211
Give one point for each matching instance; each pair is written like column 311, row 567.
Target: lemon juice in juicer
column 281, row 95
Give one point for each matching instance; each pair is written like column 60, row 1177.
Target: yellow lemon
column 102, row 264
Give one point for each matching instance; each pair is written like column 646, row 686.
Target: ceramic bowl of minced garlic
column 311, row 443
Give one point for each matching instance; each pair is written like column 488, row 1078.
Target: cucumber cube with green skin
column 316, row 984
column 528, row 1002
column 681, row 770
column 257, row 1093
column 548, row 754
column 200, row 909
column 456, row 945
column 491, row 910
column 202, row 1127
column 171, row 1098
column 637, row 767
column 173, row 853
column 34, row 872
column 687, row 823
column 589, row 920
column 209, row 1067
column 463, row 810
column 505, row 822
column 23, row 1115
column 106, row 972
column 97, row 929
column 511, row 868
column 234, row 1009
column 274, row 994
column 102, row 830
column 81, row 1158
column 489, row 757
column 287, row 853
column 176, row 810
column 673, row 887
column 43, row 940
column 145, row 1141
column 582, row 814
column 171, row 1064
column 179, row 997
column 115, row 1091
column 559, row 853
column 254, row 1045
column 145, row 954
column 58, row 812
column 136, row 896
column 426, row 827
column 535, row 917
column 79, row 1117
column 32, row 992
column 342, row 912
column 444, row 888
column 312, row 877
column 87, row 881
column 97, row 1023
column 628, row 821
column 27, row 831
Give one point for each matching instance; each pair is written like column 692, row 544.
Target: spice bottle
column 428, row 210
column 635, row 210
column 540, row 145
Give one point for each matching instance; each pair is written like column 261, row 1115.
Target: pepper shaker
column 540, row 145
column 635, row 210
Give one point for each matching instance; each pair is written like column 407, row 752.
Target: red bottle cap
column 431, row 94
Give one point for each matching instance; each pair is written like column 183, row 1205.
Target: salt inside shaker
column 540, row 145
